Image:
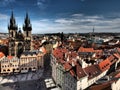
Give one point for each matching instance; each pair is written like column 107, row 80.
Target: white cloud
column 77, row 15
column 64, row 21
column 42, row 4
column 73, row 23
column 3, row 16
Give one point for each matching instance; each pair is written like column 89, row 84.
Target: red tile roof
column 104, row 65
column 118, row 75
column 117, row 55
column 103, row 86
column 92, row 71
column 59, row 53
column 9, row 57
column 76, row 70
column 111, row 59
column 1, row 55
column 80, row 72
column 67, row 66
column 82, row 49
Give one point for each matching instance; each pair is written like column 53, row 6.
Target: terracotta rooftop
column 67, row 66
column 9, row 57
column 75, row 69
column 104, row 65
column 82, row 49
column 117, row 55
column 1, row 55
column 92, row 71
column 111, row 59
column 104, row 86
column 118, row 75
column 80, row 72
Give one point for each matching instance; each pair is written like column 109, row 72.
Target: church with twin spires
column 18, row 41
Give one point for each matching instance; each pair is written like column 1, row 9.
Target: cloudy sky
column 48, row 16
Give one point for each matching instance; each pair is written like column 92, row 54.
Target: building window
column 8, row 70
column 4, row 70
column 22, row 69
column 34, row 68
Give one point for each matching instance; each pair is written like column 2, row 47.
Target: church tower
column 27, row 28
column 12, row 29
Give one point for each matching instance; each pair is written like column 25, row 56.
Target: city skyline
column 68, row 16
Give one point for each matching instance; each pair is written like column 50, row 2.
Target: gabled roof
column 104, row 65
column 111, row 59
column 117, row 55
column 82, row 49
column 59, row 53
column 80, row 72
column 92, row 71
column 67, row 66
column 75, row 70
column 104, row 86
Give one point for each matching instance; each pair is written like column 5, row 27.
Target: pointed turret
column 12, row 25
column 27, row 25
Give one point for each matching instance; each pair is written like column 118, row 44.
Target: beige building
column 10, row 64
column 31, row 61
column 28, row 62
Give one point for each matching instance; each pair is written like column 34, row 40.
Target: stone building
column 28, row 61
column 10, row 64
column 31, row 61
column 18, row 41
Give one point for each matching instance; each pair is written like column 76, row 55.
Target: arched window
column 4, row 70
column 8, row 70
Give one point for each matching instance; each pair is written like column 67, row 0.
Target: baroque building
column 18, row 41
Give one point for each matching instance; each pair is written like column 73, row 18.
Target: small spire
column 12, row 14
column 93, row 29
column 26, row 15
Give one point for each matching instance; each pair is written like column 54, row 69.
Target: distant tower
column 93, row 33
column 93, row 29
column 12, row 28
column 27, row 27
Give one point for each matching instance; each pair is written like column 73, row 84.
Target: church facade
column 18, row 41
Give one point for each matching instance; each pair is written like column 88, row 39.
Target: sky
column 68, row 16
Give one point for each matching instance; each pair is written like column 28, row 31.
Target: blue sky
column 48, row 16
